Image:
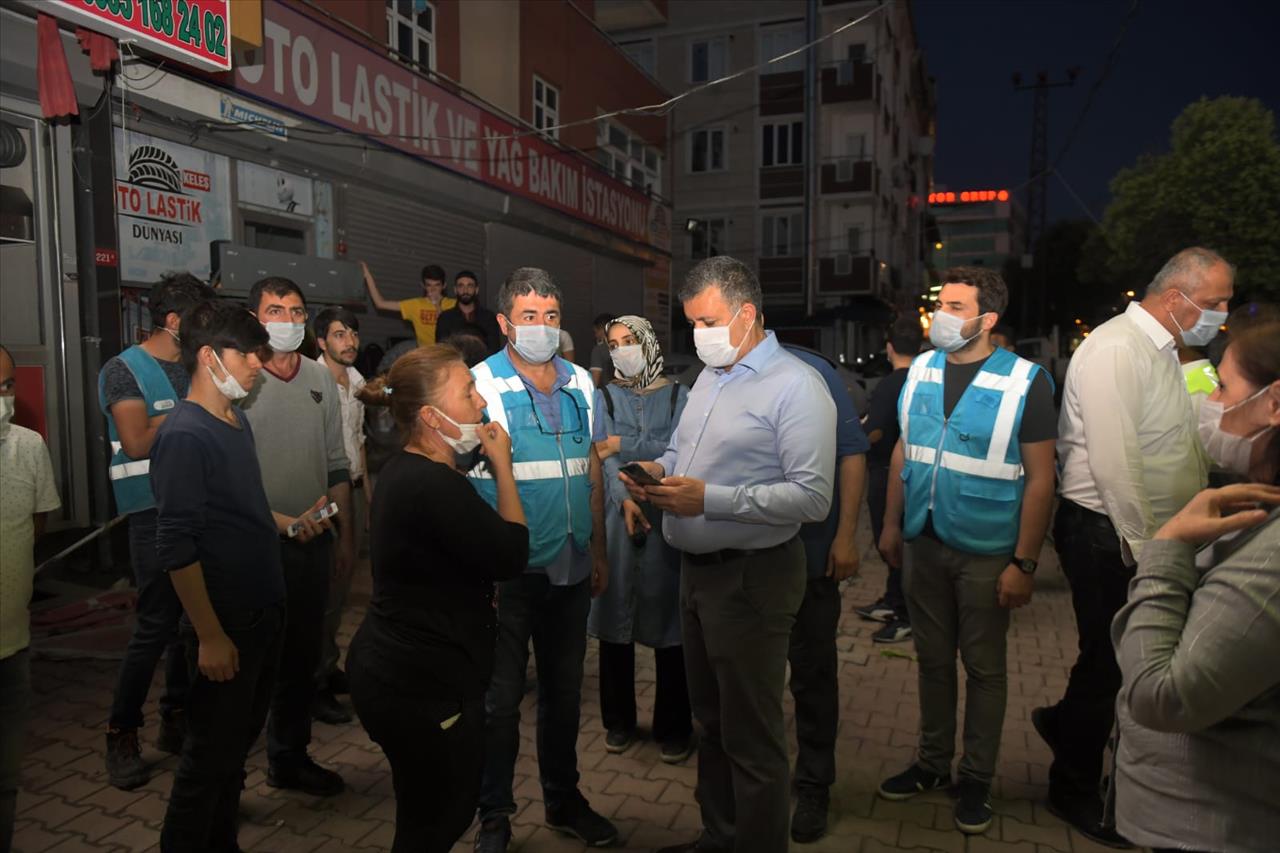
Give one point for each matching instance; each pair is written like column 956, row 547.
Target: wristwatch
column 1025, row 564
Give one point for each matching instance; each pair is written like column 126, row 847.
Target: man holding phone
column 752, row 459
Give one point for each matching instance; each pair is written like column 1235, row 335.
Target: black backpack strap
column 608, row 401
column 675, row 396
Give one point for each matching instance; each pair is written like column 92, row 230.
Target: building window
column 707, row 151
column 546, row 107
column 708, row 238
column 782, row 144
column 782, row 235
column 776, row 41
column 411, row 33
column 627, row 157
column 853, row 240
column 707, row 60
column 642, row 53
column 858, row 52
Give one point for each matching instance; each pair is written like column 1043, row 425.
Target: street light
column 1129, row 293
column 938, row 245
column 692, row 225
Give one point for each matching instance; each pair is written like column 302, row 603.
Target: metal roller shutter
column 397, row 237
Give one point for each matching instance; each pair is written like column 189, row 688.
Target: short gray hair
column 523, row 281
column 1186, row 269
column 737, row 283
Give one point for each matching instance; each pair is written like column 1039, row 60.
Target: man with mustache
column 469, row 312
column 338, row 336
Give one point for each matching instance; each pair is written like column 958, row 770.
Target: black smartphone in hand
column 639, row 475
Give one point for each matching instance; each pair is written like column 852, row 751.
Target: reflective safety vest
column 131, row 478
column 965, row 470
column 1201, row 377
column 552, row 465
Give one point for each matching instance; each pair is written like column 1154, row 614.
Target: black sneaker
column 894, row 631
column 618, row 741
column 338, row 683
column 973, row 807
column 878, row 612
column 307, row 777
column 584, row 824
column 1085, row 816
column 125, row 768
column 915, row 780
column 326, row 708
column 809, row 823
column 494, row 835
column 678, row 750
column 173, row 731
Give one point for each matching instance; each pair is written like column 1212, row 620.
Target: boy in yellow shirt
column 424, row 311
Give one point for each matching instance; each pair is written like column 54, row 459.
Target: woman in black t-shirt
column 421, row 661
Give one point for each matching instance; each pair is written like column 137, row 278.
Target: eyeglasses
column 537, row 418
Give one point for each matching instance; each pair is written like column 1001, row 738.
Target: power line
column 1107, row 65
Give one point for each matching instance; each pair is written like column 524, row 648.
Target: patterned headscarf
column 643, row 331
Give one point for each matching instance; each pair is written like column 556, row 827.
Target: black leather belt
column 725, row 555
column 1084, row 515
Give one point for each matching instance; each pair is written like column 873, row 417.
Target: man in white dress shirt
column 1130, row 459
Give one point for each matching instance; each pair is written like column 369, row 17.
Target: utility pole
column 1038, row 173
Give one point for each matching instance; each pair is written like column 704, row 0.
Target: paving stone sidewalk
column 65, row 804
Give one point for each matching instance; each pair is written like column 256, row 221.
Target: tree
column 1217, row 186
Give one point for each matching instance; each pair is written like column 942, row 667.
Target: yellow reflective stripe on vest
column 130, row 469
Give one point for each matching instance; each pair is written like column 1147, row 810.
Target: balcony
column 782, row 94
column 849, row 274
column 848, row 82
column 781, row 182
column 847, row 175
column 782, row 276
column 620, row 15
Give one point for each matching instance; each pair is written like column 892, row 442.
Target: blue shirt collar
column 761, row 355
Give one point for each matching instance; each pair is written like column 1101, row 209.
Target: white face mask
column 286, row 337
column 176, row 338
column 946, row 331
column 470, row 439
column 714, row 344
column 229, row 387
column 6, row 413
column 629, row 360
column 1229, row 451
column 1205, row 328
column 536, row 344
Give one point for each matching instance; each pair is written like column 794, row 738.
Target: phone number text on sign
column 193, row 32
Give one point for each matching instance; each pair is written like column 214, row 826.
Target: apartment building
column 815, row 169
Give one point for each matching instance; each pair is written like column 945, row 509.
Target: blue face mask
column 1205, row 329
column 536, row 344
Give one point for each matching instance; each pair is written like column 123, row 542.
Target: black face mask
column 466, row 300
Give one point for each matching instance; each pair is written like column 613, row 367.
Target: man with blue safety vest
column 552, row 410
column 972, row 480
column 136, row 391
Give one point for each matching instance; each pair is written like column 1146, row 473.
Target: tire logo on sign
column 151, row 166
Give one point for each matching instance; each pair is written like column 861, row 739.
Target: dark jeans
column 555, row 619
column 155, row 629
column 436, row 751
column 877, row 497
column 223, row 720
column 814, row 686
column 672, row 716
column 15, row 707
column 306, row 581
column 737, row 616
column 1089, row 550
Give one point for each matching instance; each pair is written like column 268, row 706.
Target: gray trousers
column 338, row 590
column 951, row 596
column 737, row 616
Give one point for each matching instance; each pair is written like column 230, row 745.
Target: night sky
column 1172, row 53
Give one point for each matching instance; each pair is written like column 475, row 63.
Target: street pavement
column 66, row 805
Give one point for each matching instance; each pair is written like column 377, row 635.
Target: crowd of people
column 528, row 503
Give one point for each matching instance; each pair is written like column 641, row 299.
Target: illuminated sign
column 193, row 32
column 968, row 196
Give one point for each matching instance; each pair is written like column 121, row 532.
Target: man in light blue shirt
column 752, row 459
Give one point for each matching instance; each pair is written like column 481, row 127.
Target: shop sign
column 315, row 71
column 273, row 189
column 196, row 33
column 171, row 202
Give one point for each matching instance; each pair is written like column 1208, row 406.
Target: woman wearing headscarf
column 1198, row 761
column 642, row 602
